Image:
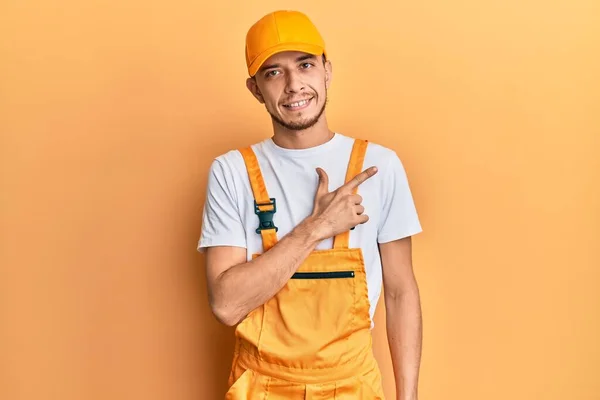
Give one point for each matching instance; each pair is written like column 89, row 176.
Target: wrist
column 407, row 395
column 401, row 396
column 312, row 230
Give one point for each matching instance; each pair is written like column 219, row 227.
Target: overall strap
column 264, row 206
column 355, row 166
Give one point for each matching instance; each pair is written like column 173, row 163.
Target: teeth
column 298, row 104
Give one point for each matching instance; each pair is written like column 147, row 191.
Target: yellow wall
column 110, row 114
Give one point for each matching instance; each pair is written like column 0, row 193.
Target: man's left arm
column 403, row 315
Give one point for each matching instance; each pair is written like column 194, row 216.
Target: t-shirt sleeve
column 399, row 217
column 221, row 222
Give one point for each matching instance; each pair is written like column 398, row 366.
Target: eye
column 271, row 73
column 306, row 65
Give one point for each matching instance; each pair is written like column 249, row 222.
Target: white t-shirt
column 290, row 177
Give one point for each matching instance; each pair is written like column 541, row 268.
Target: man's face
column 293, row 87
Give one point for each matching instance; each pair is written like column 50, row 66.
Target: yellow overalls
column 312, row 340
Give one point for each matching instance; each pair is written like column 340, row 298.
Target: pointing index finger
column 360, row 178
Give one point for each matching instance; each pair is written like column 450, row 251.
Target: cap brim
column 303, row 47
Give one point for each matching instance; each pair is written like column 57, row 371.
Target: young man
column 299, row 232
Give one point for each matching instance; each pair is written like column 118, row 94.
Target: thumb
column 323, row 187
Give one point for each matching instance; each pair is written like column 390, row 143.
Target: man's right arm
column 237, row 287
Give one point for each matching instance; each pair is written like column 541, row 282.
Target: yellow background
column 111, row 112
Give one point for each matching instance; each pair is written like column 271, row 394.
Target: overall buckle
column 265, row 217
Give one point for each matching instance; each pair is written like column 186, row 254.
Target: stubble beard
column 301, row 125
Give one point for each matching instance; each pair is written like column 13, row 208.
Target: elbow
column 400, row 294
column 226, row 308
column 225, row 315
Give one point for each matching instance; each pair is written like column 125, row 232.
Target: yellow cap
column 281, row 31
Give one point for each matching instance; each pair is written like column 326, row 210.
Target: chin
column 298, row 123
column 298, row 126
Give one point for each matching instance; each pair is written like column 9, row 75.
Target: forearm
column 404, row 330
column 244, row 287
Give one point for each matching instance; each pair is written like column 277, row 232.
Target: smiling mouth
column 298, row 104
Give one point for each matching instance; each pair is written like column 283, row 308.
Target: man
column 295, row 256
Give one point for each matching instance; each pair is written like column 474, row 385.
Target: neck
column 316, row 135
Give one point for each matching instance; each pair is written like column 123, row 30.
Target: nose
column 294, row 83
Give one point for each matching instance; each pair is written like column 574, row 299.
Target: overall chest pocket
column 307, row 323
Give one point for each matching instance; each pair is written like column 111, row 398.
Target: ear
column 328, row 73
column 253, row 88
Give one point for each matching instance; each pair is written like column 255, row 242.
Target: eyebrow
column 305, row 57
column 299, row 59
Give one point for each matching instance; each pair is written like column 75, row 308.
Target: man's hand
column 340, row 210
